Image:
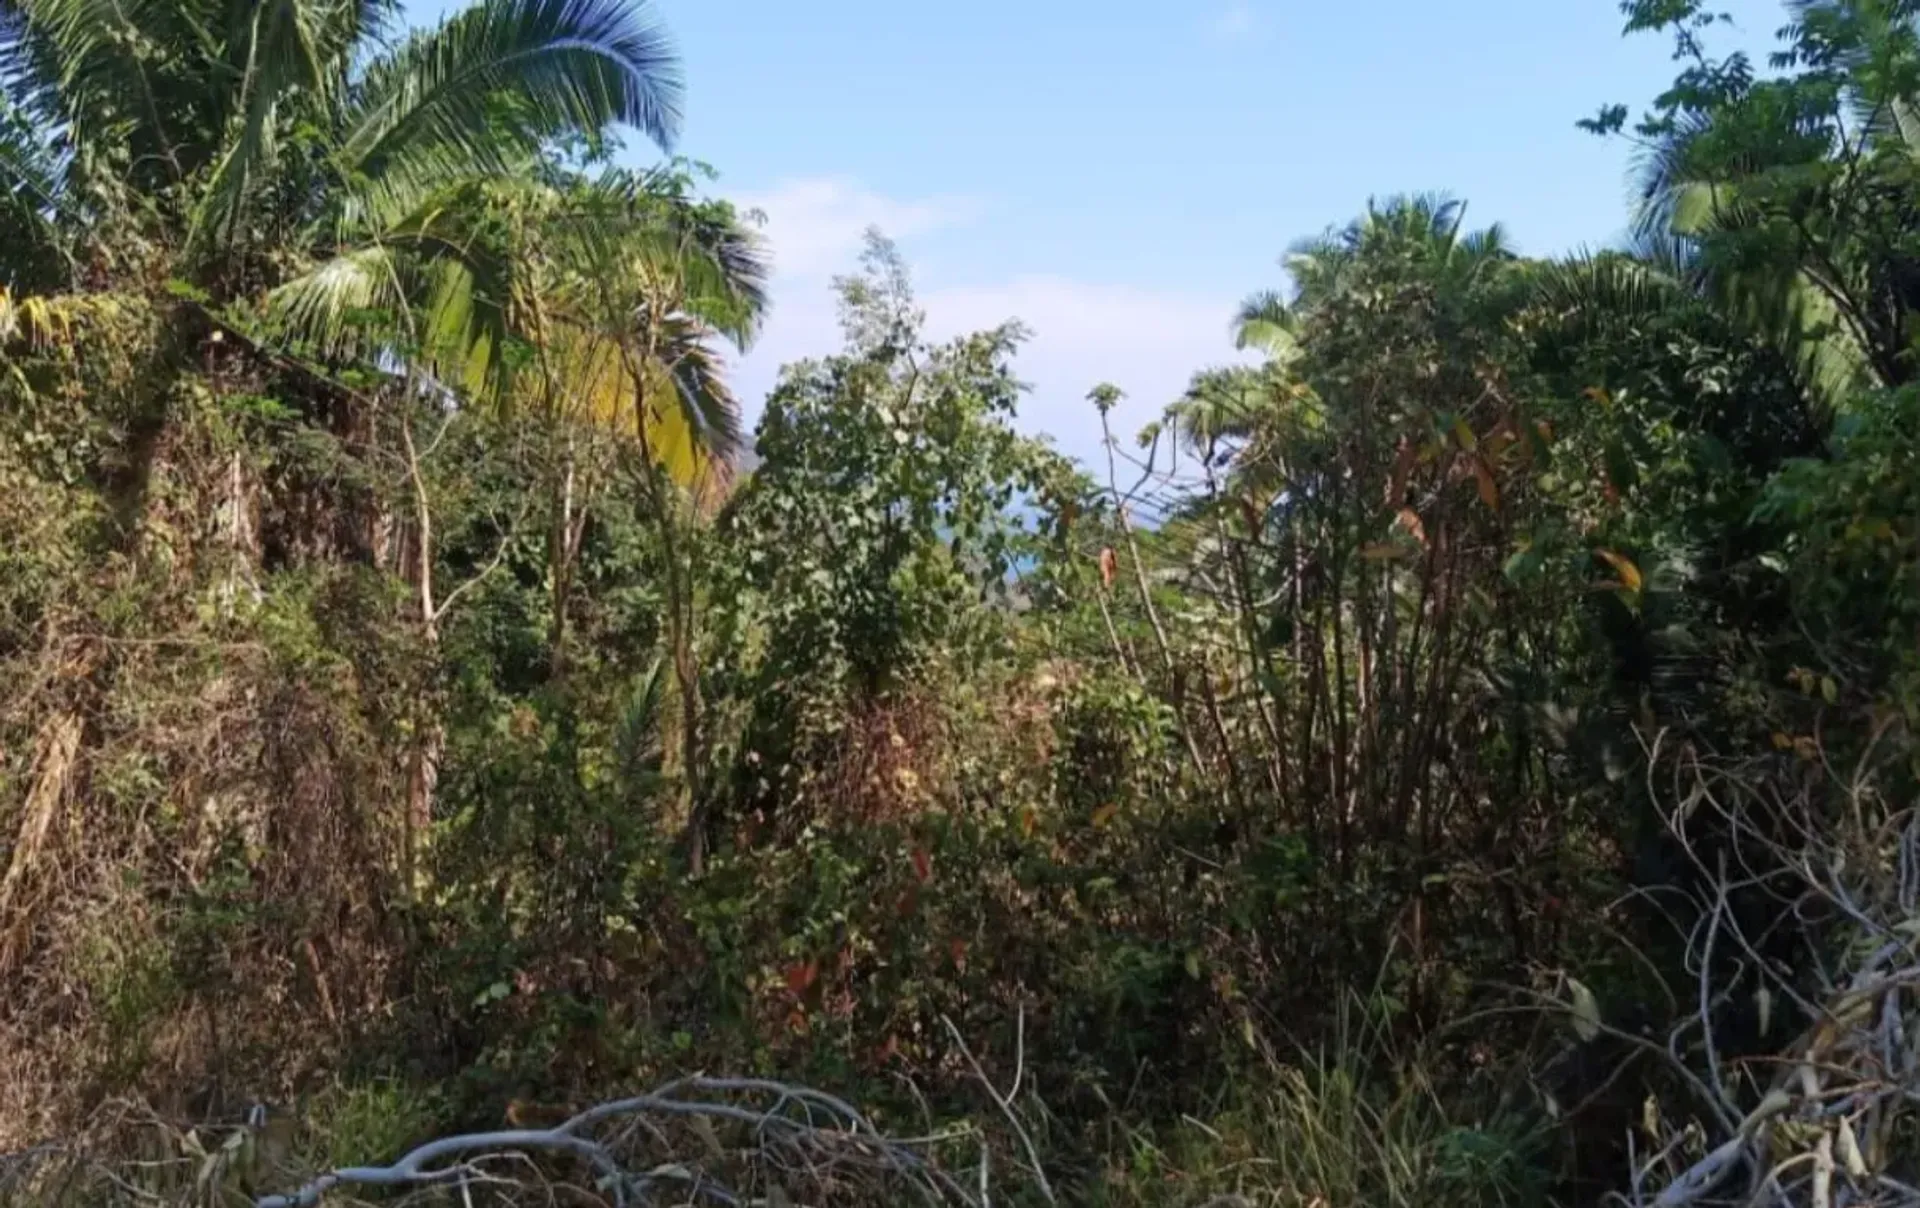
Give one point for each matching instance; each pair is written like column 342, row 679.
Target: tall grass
column 1353, row 1124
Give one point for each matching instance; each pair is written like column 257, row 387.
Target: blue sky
column 1119, row 173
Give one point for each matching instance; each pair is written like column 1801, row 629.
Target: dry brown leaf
column 1410, row 520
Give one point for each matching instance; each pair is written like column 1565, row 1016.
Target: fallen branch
column 802, row 1134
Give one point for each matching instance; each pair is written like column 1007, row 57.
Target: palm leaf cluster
column 362, row 193
column 1784, row 199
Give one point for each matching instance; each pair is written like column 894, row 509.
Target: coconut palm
column 389, row 197
column 1427, row 227
column 1468, row 268
column 597, row 305
column 235, row 130
column 579, row 273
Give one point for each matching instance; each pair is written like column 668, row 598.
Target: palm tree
column 1428, row 227
column 640, row 294
column 621, row 290
column 572, row 269
column 293, row 149
column 1787, row 202
column 347, row 197
column 232, row 130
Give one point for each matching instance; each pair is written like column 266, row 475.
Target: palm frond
column 681, row 406
column 347, row 308
column 1673, row 193
column 638, row 752
column 32, row 203
column 1220, row 404
column 650, row 228
column 483, row 92
column 132, row 77
column 1807, row 325
column 1433, row 219
column 1485, row 246
column 280, row 51
column 439, row 288
column 1596, row 289
column 1263, row 322
column 709, row 410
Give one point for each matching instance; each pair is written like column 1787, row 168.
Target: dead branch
column 1835, row 1126
column 793, row 1136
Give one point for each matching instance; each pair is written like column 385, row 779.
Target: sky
column 1118, row 174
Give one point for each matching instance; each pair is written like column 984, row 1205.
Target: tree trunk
column 429, row 742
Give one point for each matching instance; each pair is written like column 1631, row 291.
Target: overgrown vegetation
column 1465, row 758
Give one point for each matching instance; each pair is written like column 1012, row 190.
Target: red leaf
column 800, row 977
column 922, row 865
column 1109, row 566
column 958, row 949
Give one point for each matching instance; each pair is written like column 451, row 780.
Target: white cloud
column 1144, row 340
column 1147, row 342
column 816, row 225
column 1236, row 20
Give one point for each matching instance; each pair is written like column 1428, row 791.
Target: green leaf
column 493, row 993
column 187, row 291
column 1524, row 563
column 1463, row 433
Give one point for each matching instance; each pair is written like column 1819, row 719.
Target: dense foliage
column 1465, row 757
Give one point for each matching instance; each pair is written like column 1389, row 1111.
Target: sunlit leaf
column 1623, row 566
column 1583, row 1009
